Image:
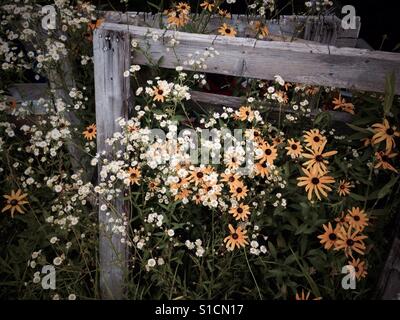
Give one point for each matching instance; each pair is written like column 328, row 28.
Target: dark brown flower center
column 235, row 236
column 231, row 179
column 350, row 242
column 133, row 175
column 319, row 158
column 160, row 92
column 356, row 218
column 342, row 187
column 227, row 30
column 264, row 165
column 268, row 152
column 200, row 175
column 356, row 269
column 294, row 147
column 332, row 237
column 317, row 139
column 14, row 202
column 239, row 190
column 315, row 181
column 390, row 132
column 90, row 130
column 240, row 210
column 385, row 158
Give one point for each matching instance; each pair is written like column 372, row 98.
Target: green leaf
column 306, row 274
column 154, row 5
column 272, row 249
column 359, row 129
column 389, row 92
column 357, row 197
column 387, row 188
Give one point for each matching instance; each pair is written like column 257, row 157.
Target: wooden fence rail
column 313, row 64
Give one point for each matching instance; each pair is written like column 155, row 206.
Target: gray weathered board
column 112, row 90
column 308, row 63
column 313, row 64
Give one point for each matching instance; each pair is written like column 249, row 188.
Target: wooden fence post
column 112, row 91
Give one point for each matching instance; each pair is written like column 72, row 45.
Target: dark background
column 378, row 18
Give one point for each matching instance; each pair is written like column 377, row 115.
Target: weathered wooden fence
column 299, row 61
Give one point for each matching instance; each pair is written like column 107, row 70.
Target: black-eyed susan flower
column 277, row 140
column 312, row 90
column 344, row 188
column 232, row 162
column 341, row 220
column 215, row 189
column 329, row 238
column 385, row 132
column 269, row 153
column 178, row 18
column 226, row 30
column 239, row 190
column 159, row 93
column 182, row 194
column 262, row 169
column 294, row 148
column 313, row 138
column 315, row 183
column 198, row 174
column 231, row 178
column 253, row 134
column 134, row 175
column 261, row 29
column 359, row 268
column 240, row 212
column 317, row 158
column 181, row 184
column 303, row 296
column 282, row 96
column 183, row 6
column 224, row 13
column 342, row 104
column 90, row 132
column 357, row 218
column 197, row 198
column 153, row 185
column 245, row 114
column 208, row 5
column 237, row 238
column 15, row 202
column 350, row 240
column 383, row 159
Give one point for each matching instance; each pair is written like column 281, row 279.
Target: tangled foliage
column 275, row 213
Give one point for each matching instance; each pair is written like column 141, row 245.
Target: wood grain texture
column 312, row 64
column 111, row 59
